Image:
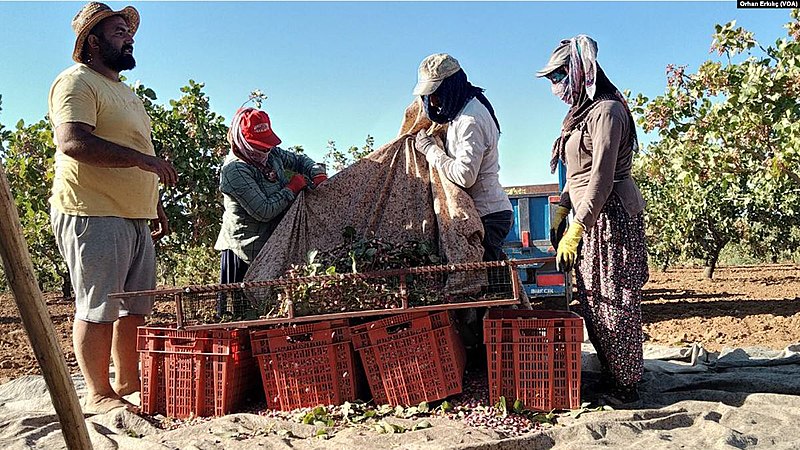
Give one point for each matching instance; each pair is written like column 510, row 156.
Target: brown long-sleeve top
column 599, row 156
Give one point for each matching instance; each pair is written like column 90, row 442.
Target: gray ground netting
column 692, row 399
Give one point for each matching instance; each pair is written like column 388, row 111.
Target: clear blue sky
column 344, row 70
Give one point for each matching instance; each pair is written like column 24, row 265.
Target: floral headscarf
column 588, row 84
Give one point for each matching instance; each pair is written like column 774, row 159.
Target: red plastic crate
column 534, row 357
column 154, row 386
column 194, row 373
column 306, row 365
column 411, row 358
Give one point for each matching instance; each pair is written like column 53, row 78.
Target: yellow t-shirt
column 79, row 94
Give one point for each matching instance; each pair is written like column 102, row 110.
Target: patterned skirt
column 610, row 273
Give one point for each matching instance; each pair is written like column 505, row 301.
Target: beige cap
column 91, row 14
column 559, row 57
column 433, row 70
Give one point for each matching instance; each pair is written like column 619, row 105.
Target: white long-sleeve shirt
column 471, row 158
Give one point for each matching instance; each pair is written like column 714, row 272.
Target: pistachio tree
column 28, row 153
column 193, row 138
column 337, row 160
column 724, row 165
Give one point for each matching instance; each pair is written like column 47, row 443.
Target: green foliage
column 198, row 264
column 257, row 97
column 577, row 413
column 737, row 254
column 338, row 160
column 501, row 407
column 27, row 153
column 193, row 138
column 725, row 165
column 187, row 133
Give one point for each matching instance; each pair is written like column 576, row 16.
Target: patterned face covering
column 563, row 90
column 260, row 156
column 585, row 82
column 583, row 65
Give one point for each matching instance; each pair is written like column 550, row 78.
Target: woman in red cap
column 255, row 189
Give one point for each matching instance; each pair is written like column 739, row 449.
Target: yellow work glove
column 558, row 226
column 568, row 247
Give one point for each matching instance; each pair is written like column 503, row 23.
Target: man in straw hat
column 105, row 192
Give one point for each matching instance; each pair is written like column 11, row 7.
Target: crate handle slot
column 184, row 343
column 305, row 337
column 394, row 329
column 535, row 332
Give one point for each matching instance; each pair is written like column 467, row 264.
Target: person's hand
column 319, row 179
column 161, row 167
column 568, row 247
column 160, row 225
column 297, row 183
column 423, row 142
column 558, row 226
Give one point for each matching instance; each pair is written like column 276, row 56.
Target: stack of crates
column 195, row 373
column 532, row 356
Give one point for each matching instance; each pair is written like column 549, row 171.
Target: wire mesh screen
column 344, row 295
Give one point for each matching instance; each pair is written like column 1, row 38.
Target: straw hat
column 91, row 14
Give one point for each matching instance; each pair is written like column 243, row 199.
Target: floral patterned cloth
column 610, row 273
column 390, row 194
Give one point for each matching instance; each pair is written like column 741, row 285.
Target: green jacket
column 254, row 205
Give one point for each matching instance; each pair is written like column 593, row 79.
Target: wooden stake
column 37, row 323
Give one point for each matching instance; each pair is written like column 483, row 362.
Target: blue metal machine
column 534, row 207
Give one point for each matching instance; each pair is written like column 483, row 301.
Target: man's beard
column 116, row 59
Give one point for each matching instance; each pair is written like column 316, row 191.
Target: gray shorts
column 106, row 255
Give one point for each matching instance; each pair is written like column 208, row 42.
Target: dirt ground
column 741, row 307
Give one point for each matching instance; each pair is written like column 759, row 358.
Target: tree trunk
column 711, row 262
column 66, row 286
column 713, row 256
column 36, row 320
column 665, row 264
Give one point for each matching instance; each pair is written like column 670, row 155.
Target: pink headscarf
column 243, row 149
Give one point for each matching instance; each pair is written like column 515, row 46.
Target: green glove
column 558, row 226
column 568, row 247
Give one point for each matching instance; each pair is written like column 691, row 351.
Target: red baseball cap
column 257, row 129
